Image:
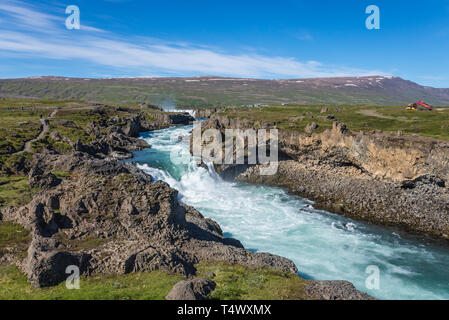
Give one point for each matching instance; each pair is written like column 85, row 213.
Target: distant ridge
column 219, row 91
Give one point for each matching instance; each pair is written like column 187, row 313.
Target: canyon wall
column 386, row 178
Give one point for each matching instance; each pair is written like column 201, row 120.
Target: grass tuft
column 236, row 282
column 13, row 238
column 153, row 285
column 15, row 191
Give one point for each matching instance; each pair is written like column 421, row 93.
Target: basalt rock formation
column 380, row 177
column 109, row 217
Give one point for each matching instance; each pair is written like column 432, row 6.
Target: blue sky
column 259, row 39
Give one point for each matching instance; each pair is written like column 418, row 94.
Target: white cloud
column 26, row 17
column 141, row 55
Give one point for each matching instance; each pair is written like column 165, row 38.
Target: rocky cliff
column 380, row 177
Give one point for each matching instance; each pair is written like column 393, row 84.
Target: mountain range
column 221, row 91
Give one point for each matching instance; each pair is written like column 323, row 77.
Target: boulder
column 339, row 127
column 196, row 289
column 311, row 127
column 54, row 135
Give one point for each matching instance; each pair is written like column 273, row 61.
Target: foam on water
column 189, row 111
column 324, row 246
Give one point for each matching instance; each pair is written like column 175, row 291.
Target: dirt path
column 45, row 128
column 373, row 113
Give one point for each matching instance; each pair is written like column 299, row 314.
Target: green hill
column 216, row 91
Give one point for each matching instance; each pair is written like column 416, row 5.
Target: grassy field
column 41, row 104
column 135, row 286
column 357, row 118
column 15, row 191
column 13, row 238
column 236, row 282
column 20, row 122
column 17, row 127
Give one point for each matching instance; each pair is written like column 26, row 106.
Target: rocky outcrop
column 311, row 127
column 47, row 267
column 196, row 289
column 379, row 177
column 132, row 127
column 384, row 156
column 110, row 218
column 174, row 118
column 334, row 290
column 116, row 137
column 206, row 112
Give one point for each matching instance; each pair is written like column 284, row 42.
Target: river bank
column 387, row 179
